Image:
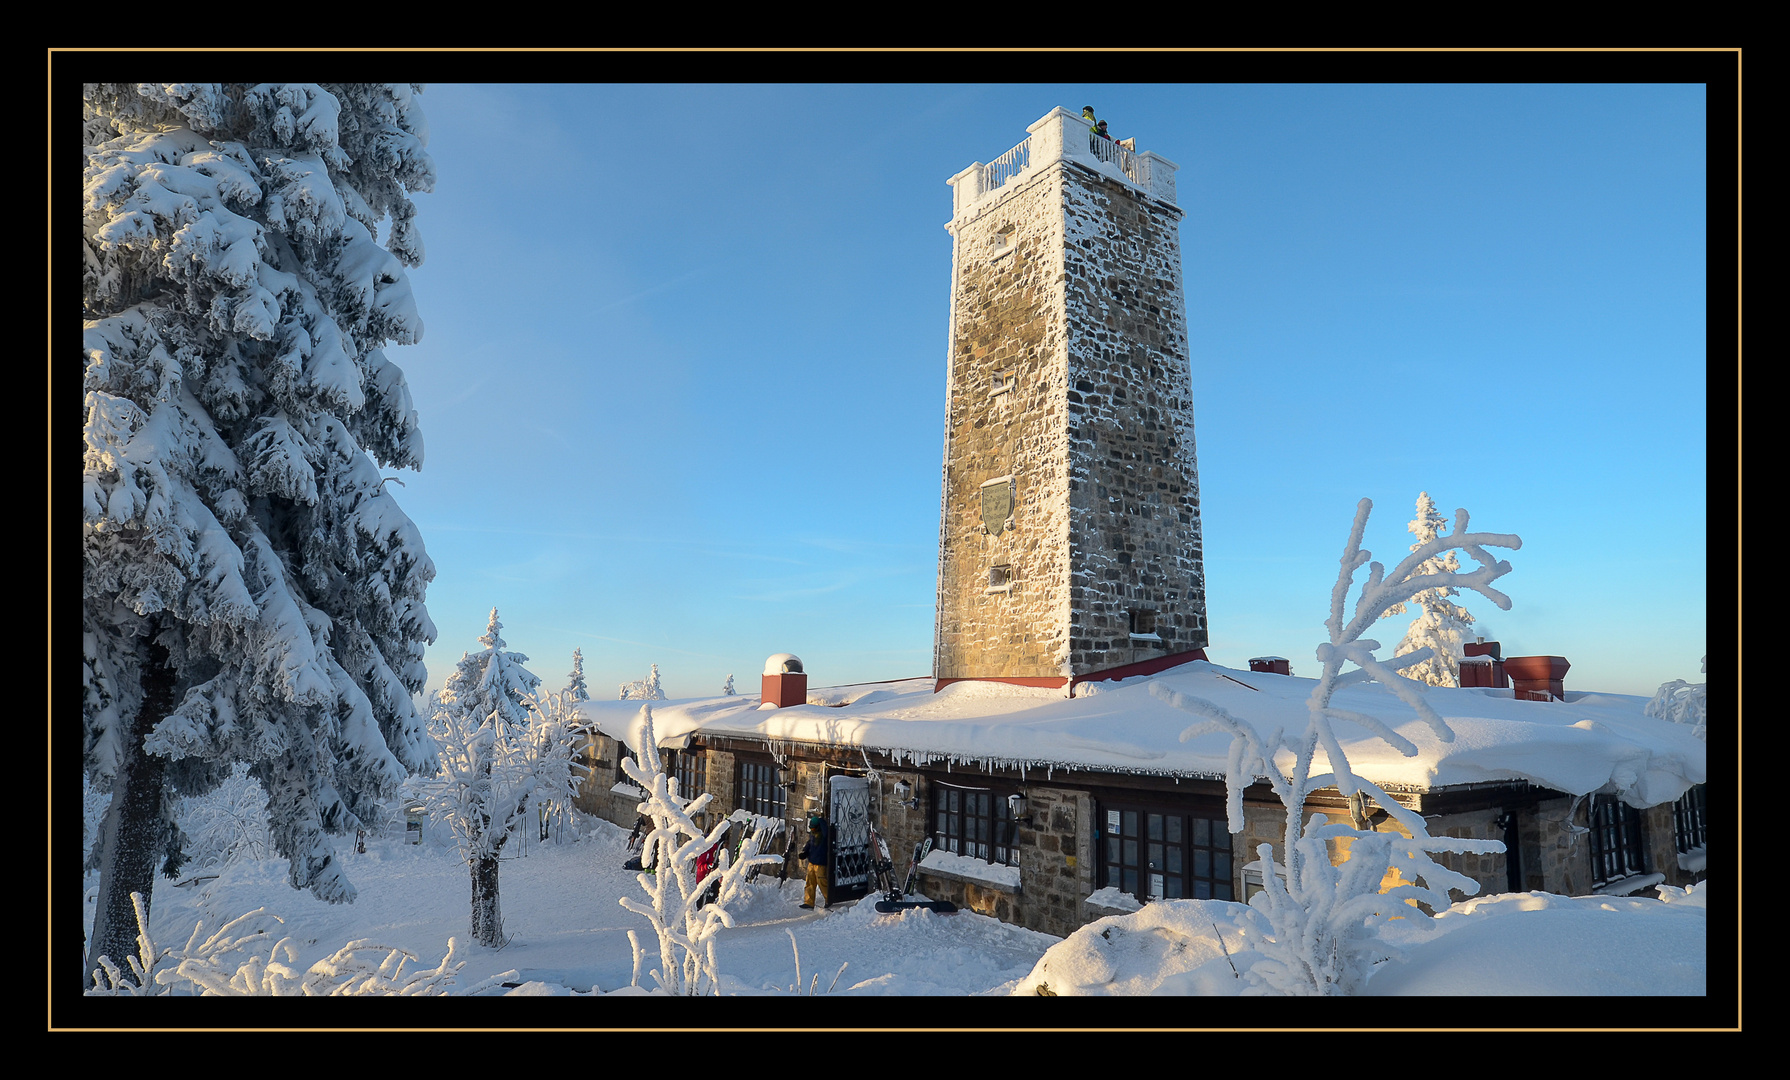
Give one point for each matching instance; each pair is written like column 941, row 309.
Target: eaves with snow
column 1588, row 743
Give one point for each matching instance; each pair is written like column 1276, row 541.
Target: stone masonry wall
column 1006, row 310
column 1134, row 487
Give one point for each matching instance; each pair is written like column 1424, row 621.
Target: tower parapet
column 1060, row 135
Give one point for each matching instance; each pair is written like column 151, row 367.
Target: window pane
column 1129, row 883
column 1202, row 863
column 1155, row 825
column 1156, row 857
column 1130, row 852
column 1202, row 832
column 1130, row 827
column 1174, row 829
column 1173, row 865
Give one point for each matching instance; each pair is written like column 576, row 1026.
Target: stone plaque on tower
column 1069, row 377
column 997, row 504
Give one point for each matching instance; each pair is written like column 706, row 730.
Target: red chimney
column 784, row 683
column 1483, row 665
column 1278, row 665
column 1537, row 678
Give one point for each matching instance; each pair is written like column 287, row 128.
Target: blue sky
column 682, row 382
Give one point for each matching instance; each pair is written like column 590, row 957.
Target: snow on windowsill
column 1692, row 861
column 1630, row 885
column 1113, row 899
column 947, row 864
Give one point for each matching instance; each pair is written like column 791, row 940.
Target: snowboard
column 937, row 907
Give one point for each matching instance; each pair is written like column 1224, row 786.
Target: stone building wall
column 1134, row 488
column 1659, row 829
column 1006, row 416
column 1556, row 856
column 602, row 755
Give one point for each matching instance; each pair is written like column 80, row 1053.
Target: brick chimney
column 1483, row 665
column 1537, row 678
column 784, row 683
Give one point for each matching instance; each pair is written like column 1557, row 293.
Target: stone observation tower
column 1069, row 539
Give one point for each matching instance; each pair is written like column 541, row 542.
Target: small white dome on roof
column 783, row 663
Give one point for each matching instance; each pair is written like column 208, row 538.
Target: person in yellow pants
column 814, row 852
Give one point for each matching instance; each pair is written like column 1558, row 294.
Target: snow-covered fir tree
column 251, row 590
column 577, row 689
column 727, row 689
column 1325, row 918
column 494, row 777
column 647, row 689
column 486, row 724
column 491, row 680
column 1442, row 626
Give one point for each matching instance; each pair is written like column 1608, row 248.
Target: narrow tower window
column 1000, row 578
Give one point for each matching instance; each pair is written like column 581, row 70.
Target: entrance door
column 848, row 808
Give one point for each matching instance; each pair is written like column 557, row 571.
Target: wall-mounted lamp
column 1016, row 809
column 904, row 792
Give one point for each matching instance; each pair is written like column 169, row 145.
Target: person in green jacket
column 1096, row 127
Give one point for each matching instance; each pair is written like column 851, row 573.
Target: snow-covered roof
column 1590, row 742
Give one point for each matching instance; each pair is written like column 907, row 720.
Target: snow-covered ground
column 568, row 939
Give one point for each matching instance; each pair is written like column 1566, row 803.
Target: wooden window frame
column 688, row 769
column 1617, row 848
column 1690, row 819
column 953, row 817
column 758, row 788
column 1206, row 870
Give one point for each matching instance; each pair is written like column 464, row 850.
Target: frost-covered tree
column 1683, row 703
column 686, row 927
column 491, row 680
column 727, row 689
column 1442, row 626
column 503, row 751
column 577, row 689
column 226, row 822
column 494, row 777
column 647, row 689
column 1326, row 917
column 251, row 590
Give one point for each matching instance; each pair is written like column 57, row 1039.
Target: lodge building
column 1070, row 557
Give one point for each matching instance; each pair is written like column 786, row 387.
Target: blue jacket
column 815, row 850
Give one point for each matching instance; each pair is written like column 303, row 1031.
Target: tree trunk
column 130, row 836
column 487, row 919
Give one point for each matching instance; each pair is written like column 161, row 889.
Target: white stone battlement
column 1061, row 135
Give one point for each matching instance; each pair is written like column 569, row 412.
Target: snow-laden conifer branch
column 1325, row 917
